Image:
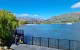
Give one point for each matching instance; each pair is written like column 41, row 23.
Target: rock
column 5, row 47
column 0, row 48
column 13, row 46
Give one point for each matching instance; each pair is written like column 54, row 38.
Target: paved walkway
column 30, row 47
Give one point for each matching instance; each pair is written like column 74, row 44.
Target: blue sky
column 40, row 8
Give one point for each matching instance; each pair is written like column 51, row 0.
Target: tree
column 21, row 22
column 7, row 22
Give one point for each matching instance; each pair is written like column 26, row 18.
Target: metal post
column 32, row 40
column 58, row 43
column 48, row 42
column 26, row 40
column 40, row 40
column 69, row 44
column 23, row 35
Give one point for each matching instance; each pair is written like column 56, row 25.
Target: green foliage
column 22, row 22
column 7, row 22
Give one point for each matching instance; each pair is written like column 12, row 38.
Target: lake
column 61, row 31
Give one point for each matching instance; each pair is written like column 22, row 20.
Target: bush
column 7, row 22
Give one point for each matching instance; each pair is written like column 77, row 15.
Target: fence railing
column 63, row 44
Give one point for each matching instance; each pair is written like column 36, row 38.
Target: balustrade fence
column 62, row 44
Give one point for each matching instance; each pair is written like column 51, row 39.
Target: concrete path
column 30, row 47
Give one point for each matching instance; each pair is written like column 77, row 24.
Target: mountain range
column 30, row 19
column 70, row 17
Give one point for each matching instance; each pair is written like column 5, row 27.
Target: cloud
column 35, row 15
column 76, row 5
column 29, row 15
column 25, row 15
column 21, row 15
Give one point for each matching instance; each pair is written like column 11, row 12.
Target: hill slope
column 71, row 17
column 30, row 19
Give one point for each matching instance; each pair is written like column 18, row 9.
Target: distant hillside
column 71, row 17
column 30, row 19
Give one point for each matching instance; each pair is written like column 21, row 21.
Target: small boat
column 69, row 23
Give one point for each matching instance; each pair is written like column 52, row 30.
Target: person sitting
column 16, row 39
column 21, row 40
